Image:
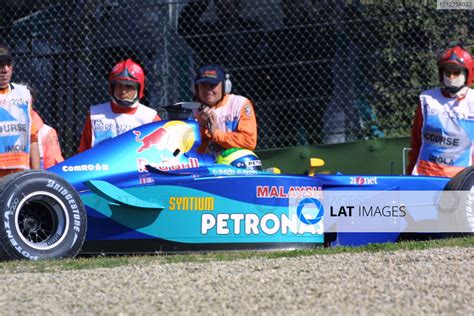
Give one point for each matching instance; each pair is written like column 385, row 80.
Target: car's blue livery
column 148, row 190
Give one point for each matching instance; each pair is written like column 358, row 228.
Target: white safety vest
column 228, row 117
column 447, row 134
column 106, row 124
column 15, row 126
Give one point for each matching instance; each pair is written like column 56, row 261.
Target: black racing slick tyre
column 457, row 204
column 42, row 217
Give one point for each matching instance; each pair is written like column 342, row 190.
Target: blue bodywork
column 149, row 190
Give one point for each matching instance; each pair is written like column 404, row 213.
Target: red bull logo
column 153, row 139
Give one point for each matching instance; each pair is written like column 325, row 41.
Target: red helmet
column 128, row 71
column 456, row 56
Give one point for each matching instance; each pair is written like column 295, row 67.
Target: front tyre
column 42, row 217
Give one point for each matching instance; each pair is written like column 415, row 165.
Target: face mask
column 132, row 99
column 455, row 84
column 128, row 102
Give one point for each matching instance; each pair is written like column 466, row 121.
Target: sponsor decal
column 253, row 224
column 85, row 167
column 152, row 139
column 172, row 164
column 265, row 191
column 192, row 203
column 176, row 137
column 145, row 179
column 363, row 180
column 70, row 200
column 253, row 163
column 209, row 74
column 232, row 172
column 309, row 214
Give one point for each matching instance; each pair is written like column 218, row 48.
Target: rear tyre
column 456, row 209
column 42, row 217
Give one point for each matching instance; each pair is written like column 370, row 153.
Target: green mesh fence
column 317, row 71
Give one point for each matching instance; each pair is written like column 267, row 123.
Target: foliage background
column 318, row 72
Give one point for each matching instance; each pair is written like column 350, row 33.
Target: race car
column 150, row 191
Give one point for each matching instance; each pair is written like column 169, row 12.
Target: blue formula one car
column 149, row 191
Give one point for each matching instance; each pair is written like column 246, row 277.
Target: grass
column 111, row 262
